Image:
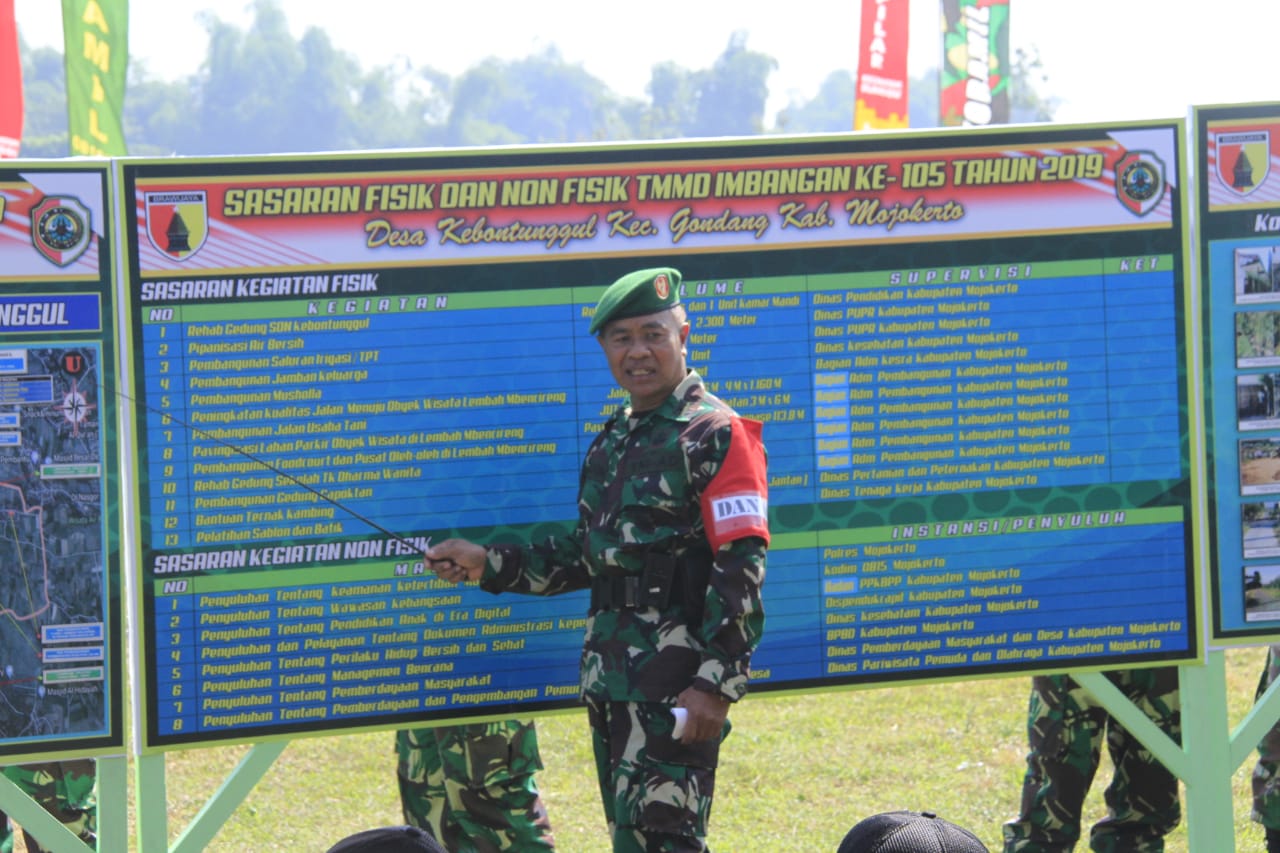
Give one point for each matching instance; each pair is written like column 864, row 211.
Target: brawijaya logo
column 1243, row 160
column 177, row 222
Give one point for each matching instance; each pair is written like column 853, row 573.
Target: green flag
column 975, row 73
column 96, row 36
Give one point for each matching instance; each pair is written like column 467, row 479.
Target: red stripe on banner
column 10, row 83
column 882, row 66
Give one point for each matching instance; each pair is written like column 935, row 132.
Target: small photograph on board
column 1257, row 277
column 1259, row 466
column 1257, row 339
column 1260, row 529
column 1262, row 593
column 1257, row 406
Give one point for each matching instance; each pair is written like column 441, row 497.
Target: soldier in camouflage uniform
column 472, row 786
column 1266, row 773
column 671, row 541
column 66, row 790
column 1065, row 729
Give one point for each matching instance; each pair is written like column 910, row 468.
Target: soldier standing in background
column 472, row 787
column 1266, row 773
column 1065, row 728
column 671, row 540
column 65, row 789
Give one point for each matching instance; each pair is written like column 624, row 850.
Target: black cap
column 389, row 839
column 909, row 832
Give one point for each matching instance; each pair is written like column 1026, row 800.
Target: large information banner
column 1238, row 152
column 969, row 354
column 60, row 633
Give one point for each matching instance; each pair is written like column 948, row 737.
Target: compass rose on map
column 75, row 408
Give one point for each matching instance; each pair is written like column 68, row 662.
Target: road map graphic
column 52, row 587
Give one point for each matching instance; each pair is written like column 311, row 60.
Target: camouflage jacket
column 650, row 484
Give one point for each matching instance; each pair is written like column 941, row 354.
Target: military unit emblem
column 662, row 286
column 177, row 222
column 1244, row 160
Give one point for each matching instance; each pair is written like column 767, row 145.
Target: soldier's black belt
column 665, row 582
column 615, row 592
column 654, row 587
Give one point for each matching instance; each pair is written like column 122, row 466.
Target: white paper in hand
column 681, row 714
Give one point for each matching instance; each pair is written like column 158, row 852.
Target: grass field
column 796, row 773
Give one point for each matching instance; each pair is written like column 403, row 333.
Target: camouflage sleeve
column 733, row 618
column 549, row 568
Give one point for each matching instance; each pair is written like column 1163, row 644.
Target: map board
column 60, row 633
column 969, row 354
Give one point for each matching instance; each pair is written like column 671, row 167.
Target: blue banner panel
column 968, row 354
column 1239, row 250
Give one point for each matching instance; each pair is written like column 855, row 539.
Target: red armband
column 736, row 502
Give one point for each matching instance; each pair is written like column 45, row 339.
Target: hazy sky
column 1106, row 59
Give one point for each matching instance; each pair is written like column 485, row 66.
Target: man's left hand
column 707, row 713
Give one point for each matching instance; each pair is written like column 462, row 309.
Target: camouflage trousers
column 65, row 789
column 1266, row 773
column 656, row 790
column 472, row 786
column 1065, row 729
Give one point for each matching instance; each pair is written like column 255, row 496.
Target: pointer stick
column 265, row 464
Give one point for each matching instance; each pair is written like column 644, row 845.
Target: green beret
column 636, row 294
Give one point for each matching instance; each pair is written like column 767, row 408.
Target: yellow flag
column 96, row 38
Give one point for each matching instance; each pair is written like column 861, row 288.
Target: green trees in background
column 262, row 91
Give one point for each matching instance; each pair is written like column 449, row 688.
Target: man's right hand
column 456, row 560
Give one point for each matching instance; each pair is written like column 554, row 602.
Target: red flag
column 10, row 83
column 882, row 66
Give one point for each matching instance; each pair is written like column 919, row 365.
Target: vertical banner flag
column 882, row 66
column 96, row 38
column 10, row 83
column 974, row 85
